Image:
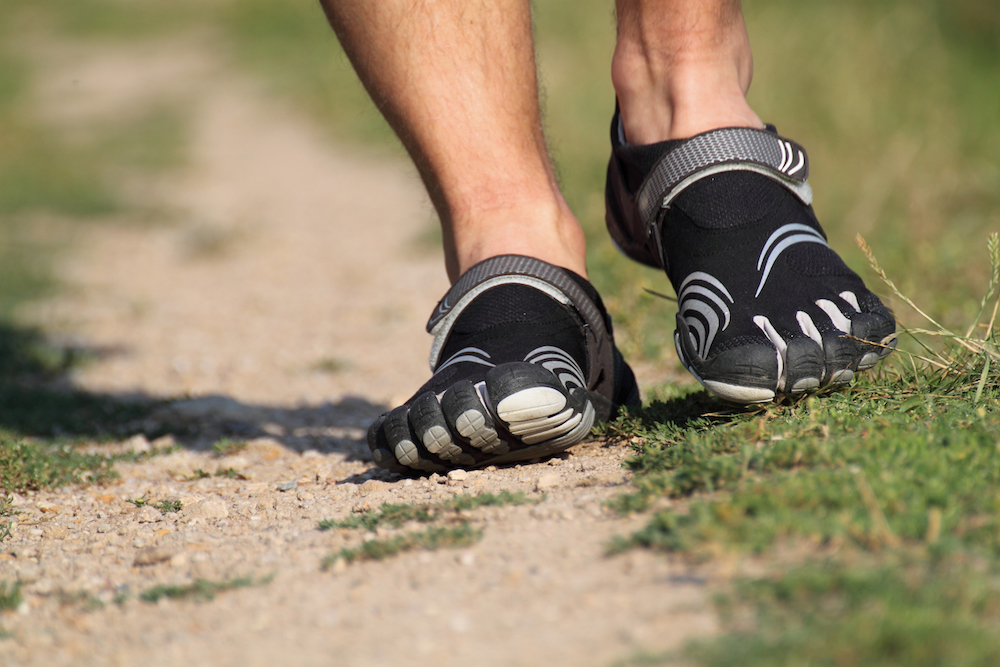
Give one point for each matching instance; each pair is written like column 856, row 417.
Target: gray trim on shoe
column 728, row 149
column 549, row 279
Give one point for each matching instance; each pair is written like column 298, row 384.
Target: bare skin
column 457, row 82
column 681, row 68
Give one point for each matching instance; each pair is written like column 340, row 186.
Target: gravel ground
column 262, row 312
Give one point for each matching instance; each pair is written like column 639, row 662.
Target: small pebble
column 458, row 475
column 149, row 515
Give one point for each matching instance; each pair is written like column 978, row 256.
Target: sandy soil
column 285, row 302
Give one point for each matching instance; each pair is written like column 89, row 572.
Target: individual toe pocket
column 404, row 441
column 430, row 426
column 379, row 445
column 842, row 356
column 803, row 365
column 877, row 327
column 469, row 418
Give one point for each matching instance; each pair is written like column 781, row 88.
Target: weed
column 168, row 506
column 463, row 502
column 394, row 515
column 7, row 506
column 201, row 590
column 28, row 466
column 435, row 537
column 228, row 447
column 397, row 515
column 165, row 507
column 81, row 600
column 10, row 595
column 229, row 473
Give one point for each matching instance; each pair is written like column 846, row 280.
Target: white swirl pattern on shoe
column 473, row 355
column 559, row 363
column 702, row 302
column 807, row 235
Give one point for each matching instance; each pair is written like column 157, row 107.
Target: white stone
column 149, row 515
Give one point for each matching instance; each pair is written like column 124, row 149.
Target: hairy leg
column 681, row 68
column 524, row 359
column 456, row 80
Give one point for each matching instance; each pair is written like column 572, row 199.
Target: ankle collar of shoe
column 727, row 149
column 553, row 281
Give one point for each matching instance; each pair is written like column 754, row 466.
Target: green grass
column 6, row 510
column 907, row 613
column 876, row 508
column 28, row 466
column 165, row 507
column 435, row 537
column 201, row 590
column 228, row 446
column 10, row 595
column 459, row 534
column 396, row 515
column 81, row 600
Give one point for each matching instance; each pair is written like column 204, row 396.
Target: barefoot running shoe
column 765, row 307
column 524, row 365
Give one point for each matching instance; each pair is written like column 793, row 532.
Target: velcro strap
column 520, row 270
column 728, row 149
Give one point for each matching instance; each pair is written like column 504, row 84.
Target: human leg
column 523, row 359
column 698, row 186
column 457, row 82
column 681, row 67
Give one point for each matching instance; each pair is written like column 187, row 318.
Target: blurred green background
column 898, row 103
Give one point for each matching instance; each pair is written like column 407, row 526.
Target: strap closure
column 728, row 149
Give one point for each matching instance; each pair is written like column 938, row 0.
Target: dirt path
column 286, row 305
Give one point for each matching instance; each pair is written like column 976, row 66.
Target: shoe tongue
column 639, row 160
column 509, row 321
column 729, row 199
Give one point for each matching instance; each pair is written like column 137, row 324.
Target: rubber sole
column 757, row 374
column 520, row 411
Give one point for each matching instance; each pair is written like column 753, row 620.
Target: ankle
column 697, row 84
column 545, row 230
